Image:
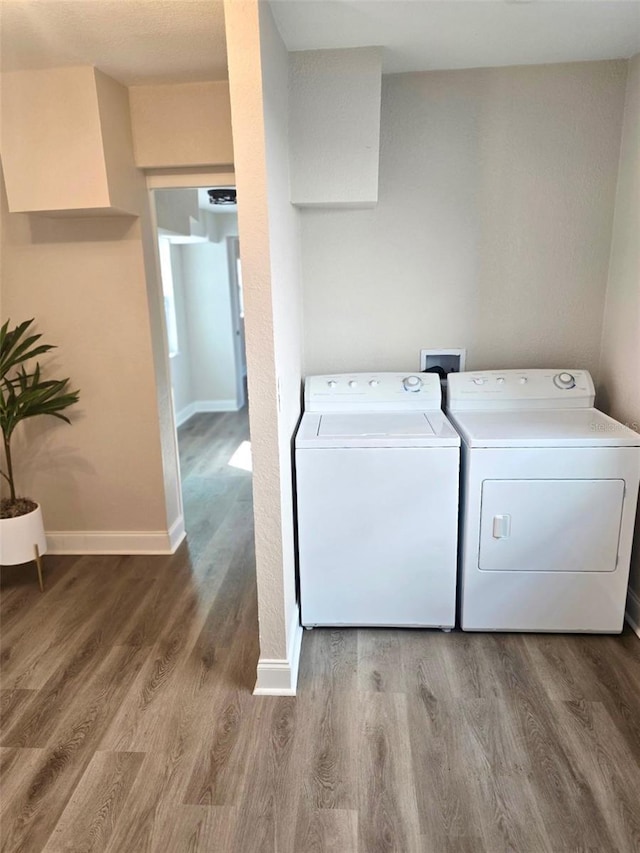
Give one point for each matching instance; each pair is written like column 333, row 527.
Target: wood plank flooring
column 128, row 723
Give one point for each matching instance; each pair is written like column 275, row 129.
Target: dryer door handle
column 501, row 526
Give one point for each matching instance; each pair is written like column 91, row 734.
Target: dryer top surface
column 539, row 428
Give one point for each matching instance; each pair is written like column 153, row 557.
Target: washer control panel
column 372, row 392
column 539, row 388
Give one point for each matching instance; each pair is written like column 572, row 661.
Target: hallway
column 116, row 678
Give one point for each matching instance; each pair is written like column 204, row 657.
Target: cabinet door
column 550, row 525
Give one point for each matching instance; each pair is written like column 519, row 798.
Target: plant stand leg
column 39, row 565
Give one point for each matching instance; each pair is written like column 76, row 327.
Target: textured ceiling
column 421, row 35
column 133, row 41
column 162, row 41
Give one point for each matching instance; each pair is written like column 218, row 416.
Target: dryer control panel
column 372, row 392
column 539, row 388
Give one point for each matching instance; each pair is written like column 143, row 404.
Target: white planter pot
column 19, row 536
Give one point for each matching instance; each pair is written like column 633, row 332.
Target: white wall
column 175, row 209
column 220, row 225
column 180, row 364
column 619, row 391
column 492, row 229
column 258, row 72
column 209, row 320
column 284, row 240
column 204, row 373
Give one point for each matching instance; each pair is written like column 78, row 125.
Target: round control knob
column 332, row 383
column 500, row 380
column 479, row 381
column 353, row 383
column 523, row 380
column 373, row 382
column 564, row 380
column 412, row 383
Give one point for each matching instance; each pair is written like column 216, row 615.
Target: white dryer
column 377, row 472
column 549, row 495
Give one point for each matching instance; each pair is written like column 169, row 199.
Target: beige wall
column 53, row 157
column 619, row 391
column 187, row 124
column 492, row 229
column 258, row 73
column 115, row 130
column 91, row 284
column 83, row 281
column 77, row 118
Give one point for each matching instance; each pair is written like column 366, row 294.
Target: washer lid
column 383, row 429
column 383, row 425
column 557, row 428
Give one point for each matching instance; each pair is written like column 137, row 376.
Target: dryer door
column 550, row 525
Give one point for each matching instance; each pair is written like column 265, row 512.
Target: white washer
column 549, row 495
column 377, row 472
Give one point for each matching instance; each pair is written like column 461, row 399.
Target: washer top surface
column 376, row 429
column 543, row 428
column 374, row 410
column 382, row 425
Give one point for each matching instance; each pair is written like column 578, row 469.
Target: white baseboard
column 205, row 406
column 185, row 414
column 217, row 405
column 279, row 676
column 116, row 541
column 633, row 611
column 177, row 534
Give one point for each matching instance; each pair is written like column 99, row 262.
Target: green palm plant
column 25, row 394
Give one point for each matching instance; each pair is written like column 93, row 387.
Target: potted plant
column 24, row 394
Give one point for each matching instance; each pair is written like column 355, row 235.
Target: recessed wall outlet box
column 449, row 360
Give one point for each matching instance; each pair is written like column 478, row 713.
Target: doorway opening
column 201, row 274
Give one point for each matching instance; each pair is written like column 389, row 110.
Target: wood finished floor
column 128, row 723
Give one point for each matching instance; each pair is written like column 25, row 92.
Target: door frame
column 163, row 179
column 233, row 255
